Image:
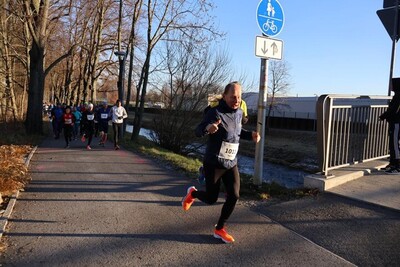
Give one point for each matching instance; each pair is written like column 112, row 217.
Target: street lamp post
column 121, row 57
column 121, row 80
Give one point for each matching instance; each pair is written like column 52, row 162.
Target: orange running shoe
column 188, row 200
column 222, row 234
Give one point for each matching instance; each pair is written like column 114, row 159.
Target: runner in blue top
column 103, row 116
column 56, row 120
column 77, row 125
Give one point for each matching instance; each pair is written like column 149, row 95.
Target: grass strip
column 189, row 166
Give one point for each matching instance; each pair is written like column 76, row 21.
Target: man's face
column 234, row 96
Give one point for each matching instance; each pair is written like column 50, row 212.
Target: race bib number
column 90, row 117
column 104, row 115
column 68, row 121
column 228, row 150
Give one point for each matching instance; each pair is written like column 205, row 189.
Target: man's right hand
column 213, row 127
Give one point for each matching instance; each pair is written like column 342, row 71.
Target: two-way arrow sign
column 268, row 48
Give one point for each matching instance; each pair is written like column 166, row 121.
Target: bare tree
column 7, row 93
column 38, row 15
column 13, row 60
column 191, row 74
column 279, row 84
column 93, row 30
column 37, row 35
column 163, row 17
column 89, row 24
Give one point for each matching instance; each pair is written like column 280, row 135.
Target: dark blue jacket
column 57, row 113
column 103, row 116
column 392, row 114
column 229, row 130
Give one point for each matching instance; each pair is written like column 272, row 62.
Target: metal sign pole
column 394, row 41
column 262, row 108
column 270, row 19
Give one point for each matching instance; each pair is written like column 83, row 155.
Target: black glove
column 120, row 118
column 383, row 116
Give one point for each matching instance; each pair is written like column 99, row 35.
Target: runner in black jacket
column 88, row 125
column 223, row 125
column 392, row 116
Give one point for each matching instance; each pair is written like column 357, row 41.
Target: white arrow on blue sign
column 270, row 17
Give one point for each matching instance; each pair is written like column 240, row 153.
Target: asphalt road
column 106, row 207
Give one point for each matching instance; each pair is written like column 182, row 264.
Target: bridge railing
column 349, row 130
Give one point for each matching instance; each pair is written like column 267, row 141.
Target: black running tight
column 231, row 180
column 67, row 134
column 394, row 149
column 89, row 136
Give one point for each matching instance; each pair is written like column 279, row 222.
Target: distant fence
column 293, row 114
column 290, row 120
column 297, row 124
column 349, row 130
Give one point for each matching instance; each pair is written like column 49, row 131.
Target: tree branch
column 58, row 60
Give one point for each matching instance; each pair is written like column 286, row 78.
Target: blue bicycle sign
column 270, row 17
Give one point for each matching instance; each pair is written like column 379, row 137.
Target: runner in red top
column 68, row 122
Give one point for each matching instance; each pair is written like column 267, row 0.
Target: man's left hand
column 256, row 137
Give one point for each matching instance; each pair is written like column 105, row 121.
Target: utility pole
column 121, row 80
column 121, row 56
column 270, row 20
column 395, row 37
column 262, row 110
column 389, row 16
column 121, row 77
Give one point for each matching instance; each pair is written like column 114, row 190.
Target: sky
column 331, row 46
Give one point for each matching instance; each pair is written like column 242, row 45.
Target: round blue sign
column 270, row 17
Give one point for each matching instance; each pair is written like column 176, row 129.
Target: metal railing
column 349, row 130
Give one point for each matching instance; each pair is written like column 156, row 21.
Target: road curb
column 10, row 206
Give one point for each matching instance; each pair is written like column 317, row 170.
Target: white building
column 287, row 107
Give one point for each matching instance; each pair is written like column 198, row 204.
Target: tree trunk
column 130, row 71
column 9, row 89
column 139, row 115
column 68, row 80
column 2, row 99
column 27, row 66
column 33, row 122
column 8, row 66
column 23, row 100
column 131, row 46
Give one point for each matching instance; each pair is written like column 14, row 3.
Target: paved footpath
column 106, row 207
column 376, row 188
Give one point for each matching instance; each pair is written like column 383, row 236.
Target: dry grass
column 15, row 145
column 14, row 174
